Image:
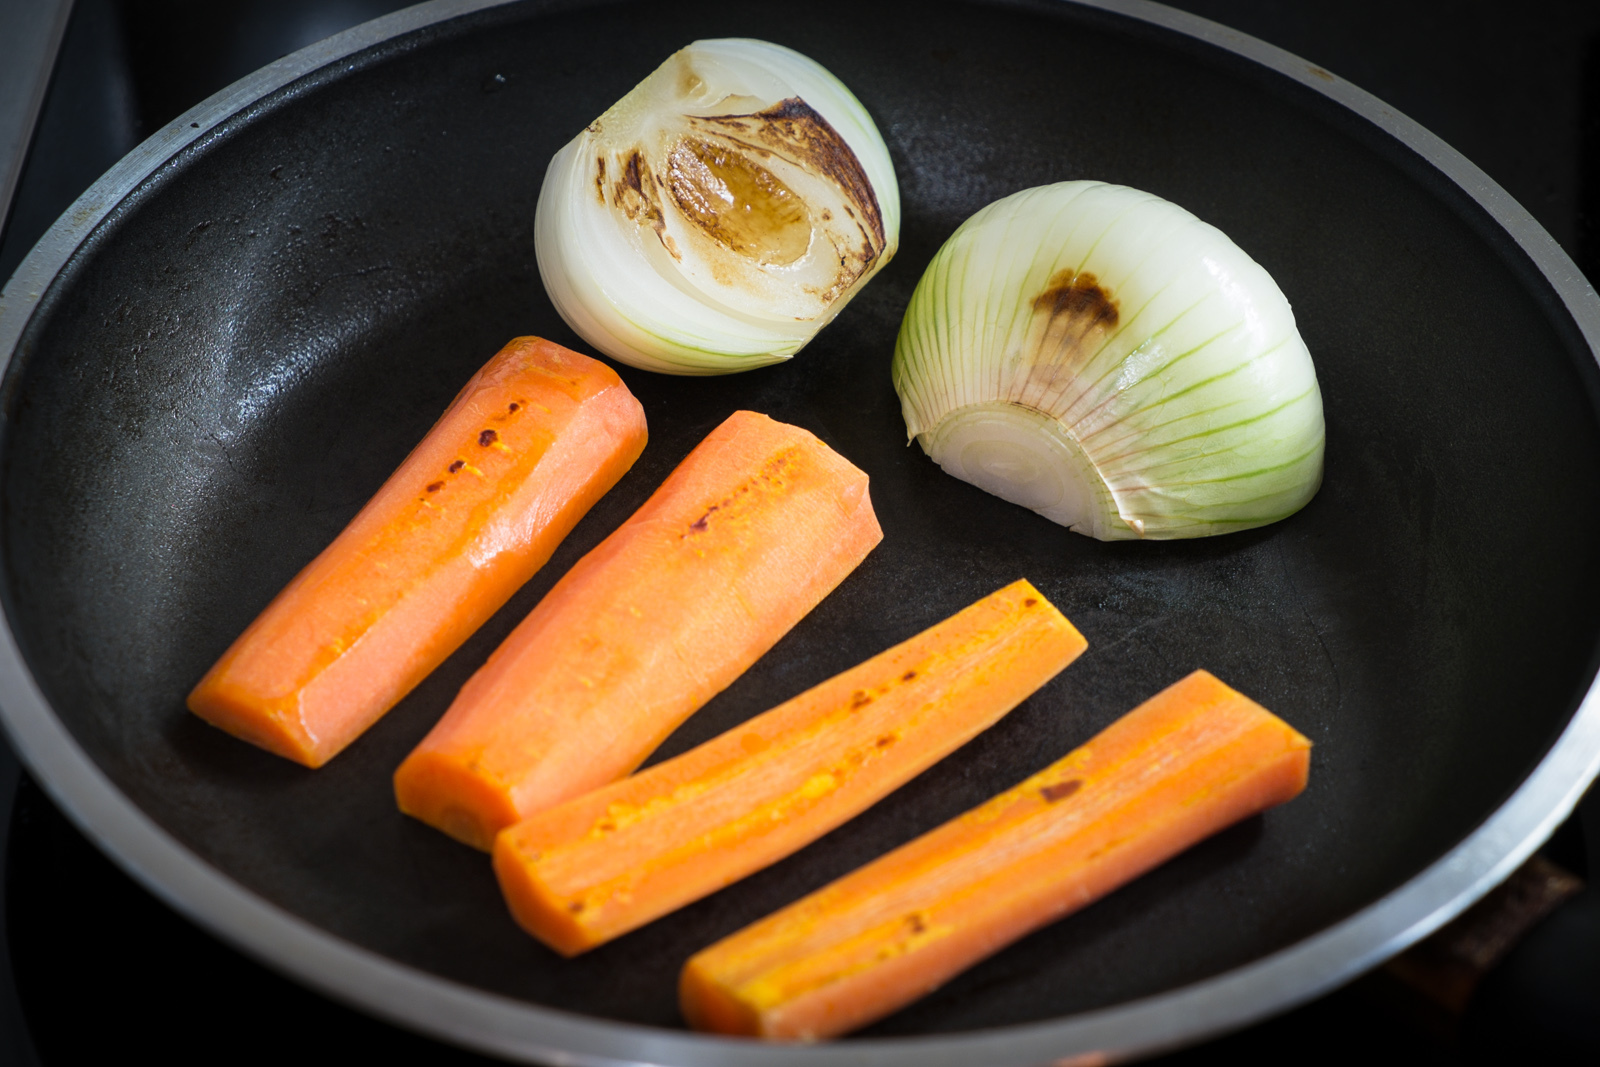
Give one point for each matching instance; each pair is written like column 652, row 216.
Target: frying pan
column 232, row 338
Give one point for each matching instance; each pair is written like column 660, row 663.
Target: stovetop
column 98, row 967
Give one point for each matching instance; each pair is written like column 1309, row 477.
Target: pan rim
column 506, row 1027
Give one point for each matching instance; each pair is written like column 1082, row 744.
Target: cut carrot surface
column 586, row 871
column 748, row 534
column 1183, row 765
column 525, row 449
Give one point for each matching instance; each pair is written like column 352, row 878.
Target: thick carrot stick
column 752, row 530
column 526, row 448
column 1179, row 767
column 584, row 872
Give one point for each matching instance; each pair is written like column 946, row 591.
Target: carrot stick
column 752, row 530
column 584, row 872
column 533, row 440
column 1184, row 764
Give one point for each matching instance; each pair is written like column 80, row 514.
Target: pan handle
column 31, row 38
column 1514, row 974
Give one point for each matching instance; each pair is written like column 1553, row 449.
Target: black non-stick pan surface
column 259, row 330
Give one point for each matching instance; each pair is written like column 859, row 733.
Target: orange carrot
column 584, row 872
column 1179, row 767
column 536, row 437
column 752, row 530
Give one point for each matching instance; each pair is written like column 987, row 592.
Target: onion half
column 1103, row 357
column 720, row 214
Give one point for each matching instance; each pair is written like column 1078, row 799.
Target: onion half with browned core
column 1103, row 357
column 720, row 214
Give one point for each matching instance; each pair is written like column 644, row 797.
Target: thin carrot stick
column 526, row 448
column 584, row 872
column 752, row 530
column 1186, row 763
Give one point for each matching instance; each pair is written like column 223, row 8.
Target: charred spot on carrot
column 1061, row 790
column 434, row 487
column 457, row 465
column 487, row 438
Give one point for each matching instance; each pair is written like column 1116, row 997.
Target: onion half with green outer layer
column 718, row 215
column 1103, row 357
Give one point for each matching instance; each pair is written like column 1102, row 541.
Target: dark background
column 99, row 968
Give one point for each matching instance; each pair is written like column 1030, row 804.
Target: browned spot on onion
column 738, row 203
column 632, row 194
column 1079, row 298
column 1072, row 317
column 689, row 83
column 794, row 130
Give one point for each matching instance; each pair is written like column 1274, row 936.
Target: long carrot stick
column 584, row 872
column 752, row 530
column 533, row 440
column 1191, row 760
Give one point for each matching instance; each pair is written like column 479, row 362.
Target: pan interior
column 238, row 357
